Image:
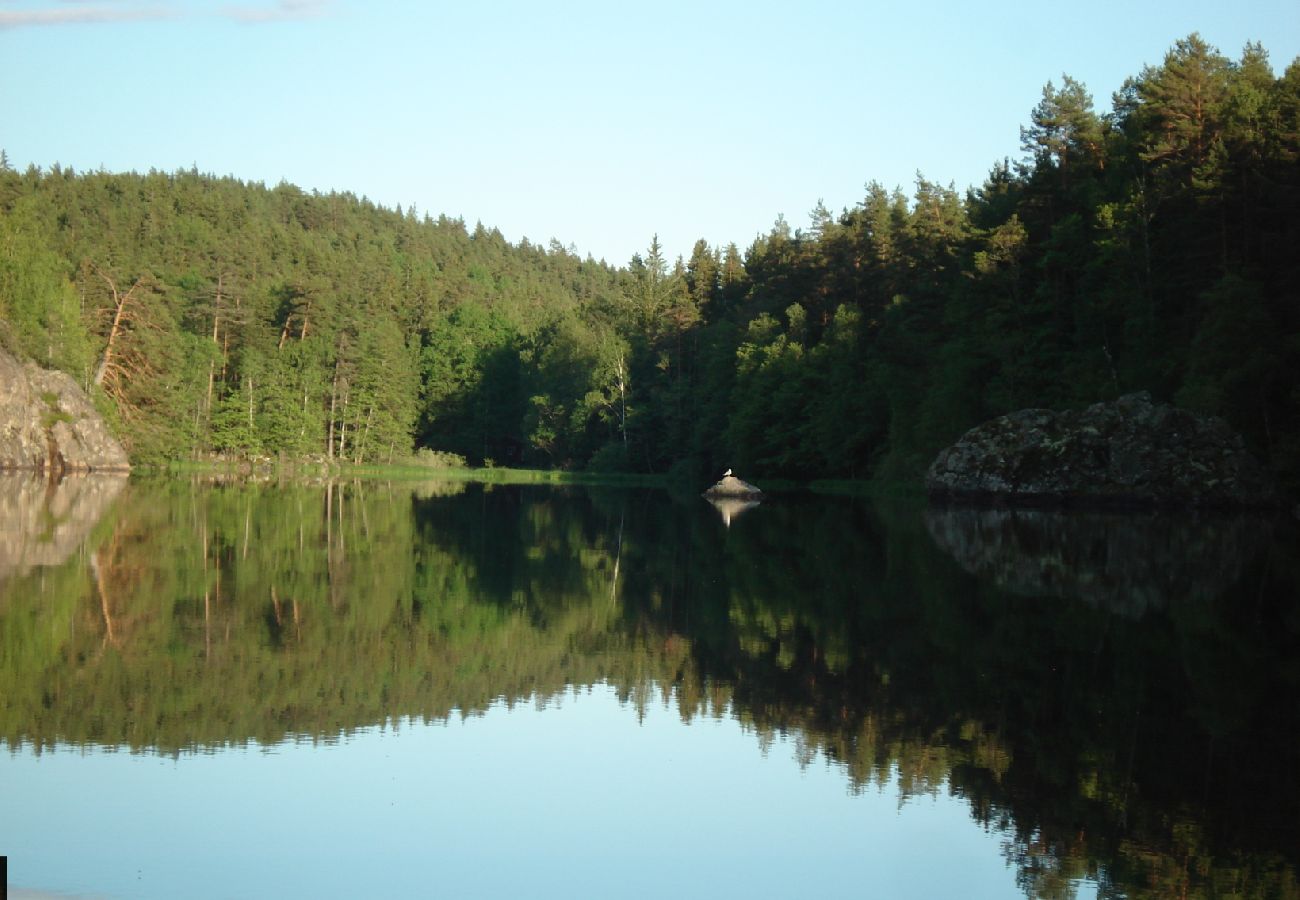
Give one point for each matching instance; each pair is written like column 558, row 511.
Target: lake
column 372, row 688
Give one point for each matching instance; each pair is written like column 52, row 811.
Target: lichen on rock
column 1129, row 451
column 48, row 423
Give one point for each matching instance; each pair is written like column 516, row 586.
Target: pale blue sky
column 597, row 123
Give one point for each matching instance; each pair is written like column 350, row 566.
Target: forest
column 1151, row 246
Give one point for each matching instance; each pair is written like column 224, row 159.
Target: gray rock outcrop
column 1126, row 452
column 731, row 486
column 48, row 423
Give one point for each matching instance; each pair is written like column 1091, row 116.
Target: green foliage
column 39, row 310
column 1150, row 247
column 436, row 459
column 610, row 458
column 1235, row 367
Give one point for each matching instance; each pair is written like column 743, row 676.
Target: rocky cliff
column 48, row 423
column 1126, row 452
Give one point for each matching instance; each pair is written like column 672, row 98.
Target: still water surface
column 442, row 689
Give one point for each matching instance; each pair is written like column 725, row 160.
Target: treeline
column 1149, row 247
column 216, row 316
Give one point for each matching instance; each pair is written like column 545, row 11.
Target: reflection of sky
column 577, row 800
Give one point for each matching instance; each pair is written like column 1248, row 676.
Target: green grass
column 50, row 418
column 412, row 470
column 54, row 413
column 406, row 471
column 500, row 475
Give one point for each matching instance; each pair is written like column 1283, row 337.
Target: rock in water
column 1126, row 452
column 731, row 486
column 48, row 423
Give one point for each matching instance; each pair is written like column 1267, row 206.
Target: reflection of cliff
column 1122, row 563
column 42, row 522
column 239, row 612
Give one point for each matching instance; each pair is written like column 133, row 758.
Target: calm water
column 374, row 689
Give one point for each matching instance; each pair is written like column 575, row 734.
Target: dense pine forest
column 1149, row 247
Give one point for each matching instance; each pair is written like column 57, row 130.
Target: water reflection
column 731, row 508
column 1124, row 563
column 1130, row 749
column 43, row 522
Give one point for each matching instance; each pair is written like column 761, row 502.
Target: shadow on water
column 1140, row 730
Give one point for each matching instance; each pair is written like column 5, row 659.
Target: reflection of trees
column 1130, row 749
column 1090, row 731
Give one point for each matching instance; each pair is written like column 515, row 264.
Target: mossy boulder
column 1125, row 452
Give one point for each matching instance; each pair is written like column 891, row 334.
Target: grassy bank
column 276, row 469
column 312, row 469
column 499, row 475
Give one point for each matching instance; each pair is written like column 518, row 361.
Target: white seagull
column 726, row 474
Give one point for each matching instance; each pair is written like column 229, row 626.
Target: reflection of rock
column 43, row 523
column 47, row 422
column 1129, row 451
column 1122, row 563
column 731, row 486
column 426, row 490
column 731, row 507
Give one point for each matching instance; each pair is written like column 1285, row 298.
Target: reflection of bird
column 726, row 474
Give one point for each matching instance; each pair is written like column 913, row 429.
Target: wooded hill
column 1152, row 247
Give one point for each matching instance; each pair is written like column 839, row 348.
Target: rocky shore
column 47, row 423
column 1130, row 452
